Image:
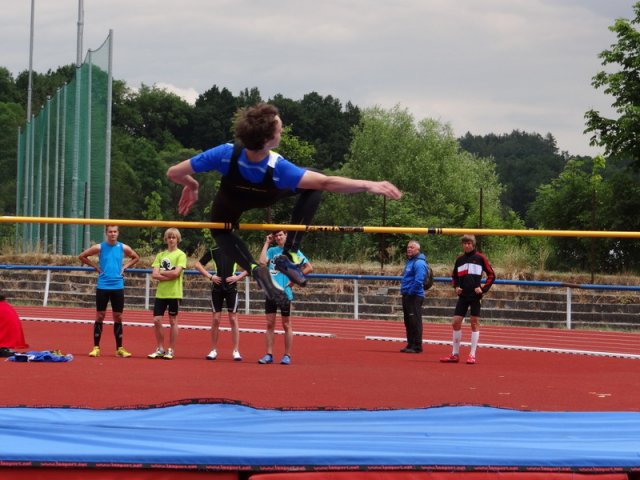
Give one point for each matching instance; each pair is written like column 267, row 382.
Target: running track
column 587, row 342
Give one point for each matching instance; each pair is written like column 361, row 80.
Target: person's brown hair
column 256, row 125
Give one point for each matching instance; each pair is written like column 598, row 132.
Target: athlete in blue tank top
column 110, row 284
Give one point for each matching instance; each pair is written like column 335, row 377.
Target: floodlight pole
column 29, row 87
column 80, row 31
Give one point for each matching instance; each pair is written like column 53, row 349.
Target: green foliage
column 153, row 129
column 586, row 196
column 212, row 117
column 619, row 137
column 323, row 122
column 523, row 162
column 43, row 85
column 11, row 117
column 151, row 113
column 440, row 184
column 9, row 93
column 151, row 238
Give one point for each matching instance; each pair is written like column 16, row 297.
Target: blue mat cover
column 224, row 435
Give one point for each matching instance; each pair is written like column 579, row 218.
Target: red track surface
column 342, row 371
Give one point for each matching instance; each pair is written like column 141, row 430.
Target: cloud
column 487, row 67
column 190, row 95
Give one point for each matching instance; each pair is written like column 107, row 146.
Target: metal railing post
column 147, row 290
column 247, row 286
column 45, row 300
column 568, row 308
column 356, row 306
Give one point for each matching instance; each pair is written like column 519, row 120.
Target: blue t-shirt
column 111, row 256
column 286, row 175
column 279, row 277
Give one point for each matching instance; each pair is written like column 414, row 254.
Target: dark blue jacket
column 415, row 271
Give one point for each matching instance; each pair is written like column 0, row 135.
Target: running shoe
column 268, row 358
column 236, row 356
column 471, row 360
column 272, row 290
column 159, row 353
column 213, row 354
column 450, row 359
column 292, row 270
column 95, row 352
column 169, row 354
column 286, row 360
column 121, row 352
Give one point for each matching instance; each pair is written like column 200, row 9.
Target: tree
column 212, row 118
column 620, row 136
column 154, row 114
column 44, row 85
column 440, row 183
column 323, row 122
column 9, row 93
column 591, row 194
column 249, row 97
column 524, row 161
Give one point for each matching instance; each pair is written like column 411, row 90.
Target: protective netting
column 64, row 160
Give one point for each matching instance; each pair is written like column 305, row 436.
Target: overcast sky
column 483, row 66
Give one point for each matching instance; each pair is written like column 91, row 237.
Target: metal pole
column 87, row 184
column 63, row 166
column 45, row 300
column 29, row 87
column 323, row 228
column 80, row 29
column 147, row 289
column 247, row 296
column 569, row 308
column 356, row 305
column 47, row 156
column 107, row 165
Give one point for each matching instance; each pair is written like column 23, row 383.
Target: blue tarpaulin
column 237, row 435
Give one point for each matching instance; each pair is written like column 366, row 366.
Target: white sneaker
column 213, row 354
column 159, row 353
column 236, row 356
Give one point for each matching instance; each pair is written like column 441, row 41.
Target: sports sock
column 117, row 333
column 474, row 342
column 457, row 338
column 97, row 333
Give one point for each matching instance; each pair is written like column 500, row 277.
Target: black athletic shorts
column 116, row 297
column 465, row 302
column 272, row 307
column 162, row 304
column 220, row 296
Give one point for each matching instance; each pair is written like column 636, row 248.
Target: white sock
column 457, row 338
column 474, row 342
